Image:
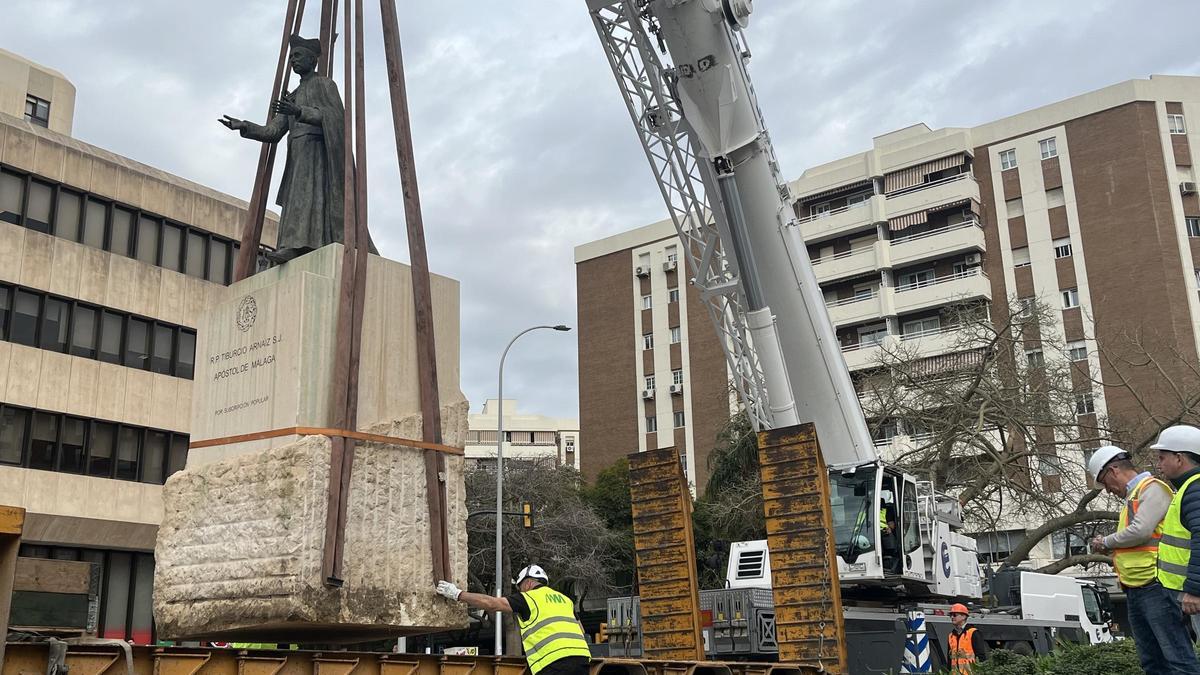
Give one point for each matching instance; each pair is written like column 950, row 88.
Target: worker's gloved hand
column 449, row 590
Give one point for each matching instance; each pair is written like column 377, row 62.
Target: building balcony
column 855, row 310
column 930, row 195
column 864, row 354
column 936, row 342
column 848, row 264
column 846, row 220
column 940, row 243
column 968, row 285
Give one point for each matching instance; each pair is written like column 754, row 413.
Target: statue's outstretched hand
column 232, row 123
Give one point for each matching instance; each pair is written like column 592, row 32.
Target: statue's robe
column 310, row 193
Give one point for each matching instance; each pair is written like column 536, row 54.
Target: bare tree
column 1001, row 415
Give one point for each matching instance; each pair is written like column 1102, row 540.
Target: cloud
column 524, row 148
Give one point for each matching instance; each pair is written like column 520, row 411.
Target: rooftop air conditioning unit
column 973, row 259
column 647, row 393
column 642, row 271
column 1187, row 187
column 677, row 389
column 670, row 265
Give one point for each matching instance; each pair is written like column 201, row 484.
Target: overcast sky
column 524, row 149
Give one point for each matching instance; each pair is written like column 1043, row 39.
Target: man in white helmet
column 1162, row 640
column 552, row 637
column 1179, row 549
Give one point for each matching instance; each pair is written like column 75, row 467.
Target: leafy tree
column 609, row 497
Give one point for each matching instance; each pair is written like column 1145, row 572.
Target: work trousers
column 571, row 665
column 1156, row 620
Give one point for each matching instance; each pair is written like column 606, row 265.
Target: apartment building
column 1089, row 204
column 105, row 266
column 527, row 436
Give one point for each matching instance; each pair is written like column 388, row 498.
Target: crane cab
column 876, row 525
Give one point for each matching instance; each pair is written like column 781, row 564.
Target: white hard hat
column 1179, row 438
column 1101, row 457
column 531, row 572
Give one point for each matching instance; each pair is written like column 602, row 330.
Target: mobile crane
column 681, row 68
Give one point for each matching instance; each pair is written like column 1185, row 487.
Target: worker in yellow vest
column 1179, row 549
column 551, row 635
column 965, row 647
column 1163, row 644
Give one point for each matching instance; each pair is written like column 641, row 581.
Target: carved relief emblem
column 247, row 312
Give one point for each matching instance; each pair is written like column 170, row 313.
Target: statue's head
column 305, row 52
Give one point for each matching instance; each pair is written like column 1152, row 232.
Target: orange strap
column 322, row 431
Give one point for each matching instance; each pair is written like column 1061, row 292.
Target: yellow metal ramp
column 809, row 624
column 666, row 556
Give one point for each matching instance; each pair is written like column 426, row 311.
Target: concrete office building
column 105, row 265
column 527, row 435
column 1089, row 204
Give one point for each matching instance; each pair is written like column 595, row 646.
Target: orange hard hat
column 959, row 608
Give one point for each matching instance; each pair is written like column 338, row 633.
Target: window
column 38, row 319
column 193, row 264
column 1084, row 404
column 1015, row 207
column 1048, row 147
column 1008, row 159
column 218, row 261
column 1055, row 197
column 672, row 254
column 864, row 291
column 122, row 229
column 676, row 336
column 101, row 444
column 646, row 302
column 66, row 215
column 819, row 210
column 677, row 376
column 95, row 218
column 172, row 247
column 872, row 335
column 13, row 423
column 860, row 199
column 72, row 451
column 648, row 341
column 37, row 110
column 1071, row 541
column 128, row 446
column 917, row 279
column 1035, row 358
column 12, row 190
column 651, row 424
column 37, row 208
column 1070, row 298
column 918, row 327
column 677, row 419
column 649, row 382
column 147, row 240
column 1062, row 247
column 1023, row 308
column 1175, row 123
column 994, row 547
column 1077, row 351
column 1193, row 226
column 154, row 456
column 1021, row 257
column 43, row 445
column 672, row 295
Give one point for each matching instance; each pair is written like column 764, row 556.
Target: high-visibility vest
column 1137, row 565
column 862, row 519
column 551, row 632
column 1175, row 544
column 962, row 652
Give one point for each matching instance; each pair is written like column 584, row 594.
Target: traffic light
column 527, row 514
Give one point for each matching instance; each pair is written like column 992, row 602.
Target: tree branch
column 1073, row 560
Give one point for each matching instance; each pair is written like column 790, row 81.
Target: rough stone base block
column 239, row 550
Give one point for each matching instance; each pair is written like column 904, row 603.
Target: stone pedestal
column 239, row 551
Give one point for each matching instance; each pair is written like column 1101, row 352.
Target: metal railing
column 936, row 231
column 929, row 331
column 857, row 298
column 843, row 255
column 931, row 184
column 826, row 214
column 864, row 345
column 925, row 283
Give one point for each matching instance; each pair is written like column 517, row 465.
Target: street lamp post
column 500, row 479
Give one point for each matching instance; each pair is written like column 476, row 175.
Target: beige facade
column 1089, row 204
column 36, row 93
column 527, row 435
column 105, row 266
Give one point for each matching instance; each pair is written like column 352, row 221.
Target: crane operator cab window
column 855, row 514
column 889, row 526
